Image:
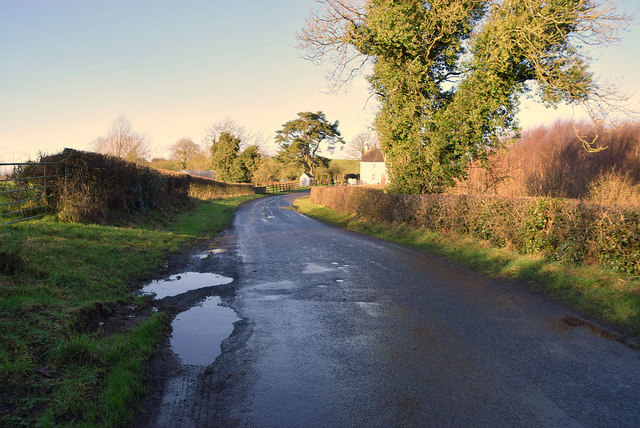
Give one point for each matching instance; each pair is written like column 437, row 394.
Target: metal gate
column 25, row 189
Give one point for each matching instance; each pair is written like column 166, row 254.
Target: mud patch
column 598, row 331
column 199, row 331
column 108, row 317
column 184, row 282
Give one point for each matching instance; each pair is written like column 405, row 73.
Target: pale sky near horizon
column 69, row 68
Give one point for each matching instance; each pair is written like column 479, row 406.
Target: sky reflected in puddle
column 315, row 268
column 181, row 283
column 198, row 332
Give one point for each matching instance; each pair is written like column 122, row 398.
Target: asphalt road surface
column 339, row 329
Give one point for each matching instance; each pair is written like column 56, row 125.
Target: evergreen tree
column 302, row 139
column 223, row 155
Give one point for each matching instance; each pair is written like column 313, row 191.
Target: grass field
column 58, row 365
column 597, row 292
column 349, row 166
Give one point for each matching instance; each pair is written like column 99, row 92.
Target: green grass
column 51, row 273
column 595, row 291
column 349, row 166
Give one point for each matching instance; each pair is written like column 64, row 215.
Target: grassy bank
column 597, row 292
column 74, row 338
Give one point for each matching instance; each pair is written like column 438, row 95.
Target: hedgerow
column 568, row 231
column 100, row 188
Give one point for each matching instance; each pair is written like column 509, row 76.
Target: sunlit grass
column 51, row 272
column 596, row 291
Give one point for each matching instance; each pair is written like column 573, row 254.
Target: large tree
column 184, row 151
column 123, row 142
column 232, row 127
column 223, row 155
column 303, row 139
column 449, row 73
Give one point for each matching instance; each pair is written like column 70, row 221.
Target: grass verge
column 595, row 291
column 58, row 281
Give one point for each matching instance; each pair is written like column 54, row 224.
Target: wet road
column 343, row 330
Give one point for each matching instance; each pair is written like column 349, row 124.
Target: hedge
column 569, row 231
column 99, row 188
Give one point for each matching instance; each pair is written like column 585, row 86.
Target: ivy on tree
column 449, row 73
column 302, row 139
column 223, row 154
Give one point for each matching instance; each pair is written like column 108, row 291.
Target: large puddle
column 181, row 283
column 198, row 332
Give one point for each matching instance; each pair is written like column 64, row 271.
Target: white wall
column 373, row 173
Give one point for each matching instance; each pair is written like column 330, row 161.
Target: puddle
column 198, row 332
column 181, row 283
column 274, row 286
column 315, row 268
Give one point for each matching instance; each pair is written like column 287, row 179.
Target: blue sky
column 68, row 68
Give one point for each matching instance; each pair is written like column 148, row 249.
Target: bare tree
column 231, row 126
column 184, row 151
column 329, row 34
column 123, row 142
column 360, row 144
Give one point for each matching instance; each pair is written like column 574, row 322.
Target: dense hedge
column 206, row 188
column 565, row 230
column 98, row 188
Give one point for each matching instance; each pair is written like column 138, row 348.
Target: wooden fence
column 287, row 186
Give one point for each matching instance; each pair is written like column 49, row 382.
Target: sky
column 69, row 68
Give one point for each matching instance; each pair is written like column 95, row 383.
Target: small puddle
column 199, row 331
column 315, row 268
column 181, row 283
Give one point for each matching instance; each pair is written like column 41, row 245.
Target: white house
column 306, row 180
column 372, row 167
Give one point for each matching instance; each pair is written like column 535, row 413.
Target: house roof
column 372, row 155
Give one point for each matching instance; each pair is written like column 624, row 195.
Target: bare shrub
column 550, row 161
column 613, row 188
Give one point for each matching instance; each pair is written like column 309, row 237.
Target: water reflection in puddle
column 198, row 332
column 315, row 268
column 181, row 283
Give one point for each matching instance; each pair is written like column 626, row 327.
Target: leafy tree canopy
column 301, row 140
column 449, row 73
column 245, row 165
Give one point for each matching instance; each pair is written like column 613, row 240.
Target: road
column 339, row 329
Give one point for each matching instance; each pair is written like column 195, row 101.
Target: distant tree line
column 236, row 154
